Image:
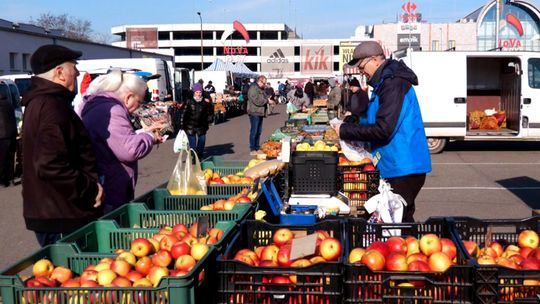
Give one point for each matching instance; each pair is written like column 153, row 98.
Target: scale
column 325, row 201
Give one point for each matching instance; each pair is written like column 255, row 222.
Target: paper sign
column 202, row 226
column 303, row 246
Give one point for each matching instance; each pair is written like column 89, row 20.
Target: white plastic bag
column 354, row 150
column 181, row 142
column 386, row 207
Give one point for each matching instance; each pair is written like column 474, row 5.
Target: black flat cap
column 48, row 56
column 354, row 83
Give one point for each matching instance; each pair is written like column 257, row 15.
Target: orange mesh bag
column 489, row 123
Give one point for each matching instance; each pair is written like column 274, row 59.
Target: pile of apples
column 174, row 251
column 278, row 254
column 365, row 162
column 228, row 204
column 525, row 255
column 214, row 178
column 429, row 254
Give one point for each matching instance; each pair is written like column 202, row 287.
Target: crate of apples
column 283, row 263
column 506, row 249
column 146, row 272
column 404, row 262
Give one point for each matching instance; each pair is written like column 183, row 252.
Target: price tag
column 303, row 246
column 202, row 226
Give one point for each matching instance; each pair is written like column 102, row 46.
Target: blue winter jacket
column 393, row 124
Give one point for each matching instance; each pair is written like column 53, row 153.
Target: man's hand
column 336, row 128
column 99, row 197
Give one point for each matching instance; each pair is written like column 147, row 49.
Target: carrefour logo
column 277, row 57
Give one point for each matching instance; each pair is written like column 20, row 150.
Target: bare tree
column 73, row 28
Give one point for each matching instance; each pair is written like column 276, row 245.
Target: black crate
column 493, row 283
column 358, row 186
column 314, row 172
column 242, row 283
column 361, row 285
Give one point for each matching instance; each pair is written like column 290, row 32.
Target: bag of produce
column 386, row 207
column 187, row 177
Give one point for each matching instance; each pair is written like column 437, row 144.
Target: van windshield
column 23, row 84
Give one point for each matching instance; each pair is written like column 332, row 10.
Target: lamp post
column 202, row 61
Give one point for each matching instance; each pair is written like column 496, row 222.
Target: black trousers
column 7, row 160
column 408, row 187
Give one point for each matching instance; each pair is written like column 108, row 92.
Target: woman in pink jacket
column 106, row 107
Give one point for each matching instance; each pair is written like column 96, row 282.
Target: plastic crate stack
column 358, row 185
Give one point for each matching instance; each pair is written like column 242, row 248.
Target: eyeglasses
column 361, row 67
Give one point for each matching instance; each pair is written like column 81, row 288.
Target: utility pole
column 202, row 60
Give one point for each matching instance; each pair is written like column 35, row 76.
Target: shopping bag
column 187, row 177
column 291, row 108
column 386, row 207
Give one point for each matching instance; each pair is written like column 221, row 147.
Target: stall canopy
column 234, row 67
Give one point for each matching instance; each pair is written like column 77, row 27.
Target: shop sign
column 316, row 59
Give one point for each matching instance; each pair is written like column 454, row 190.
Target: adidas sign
column 277, row 57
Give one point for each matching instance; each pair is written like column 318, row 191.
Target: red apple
column 128, row 257
column 71, row 283
column 61, row 274
column 121, row 267
column 216, row 233
column 141, row 247
column 317, row 259
column 42, row 267
column 134, row 276
column 379, row 246
column 525, row 251
column 156, row 273
column 142, row 282
column 397, row 244
column 439, row 262
column 143, row 265
column 516, row 258
column 373, row 259
column 185, row 263
column 472, row 248
column 282, row 236
column 535, row 253
column 506, row 262
column 46, row 281
column 243, row 199
column 449, row 248
column 486, row 260
column 179, row 228
column 284, row 256
column 246, row 259
column 162, row 258
column 266, row 263
column 179, row 249
column 368, row 168
column 430, row 244
column 497, row 247
column 413, row 245
column 167, row 242
column 417, row 257
column 396, row 262
column 165, row 230
column 489, row 251
column 121, row 282
column 270, row 253
column 418, row 265
column 530, row 263
column 528, row 238
column 89, row 275
column 330, row 249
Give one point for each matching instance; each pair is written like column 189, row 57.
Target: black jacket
column 197, row 117
column 59, row 166
column 8, row 123
column 359, row 103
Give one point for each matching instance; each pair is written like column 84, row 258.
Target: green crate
column 222, row 166
column 105, row 236
column 229, row 189
column 186, row 289
column 163, row 200
column 138, row 215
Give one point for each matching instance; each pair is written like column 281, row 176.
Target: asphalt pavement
column 484, row 180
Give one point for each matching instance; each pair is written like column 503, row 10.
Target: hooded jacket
column 116, row 145
column 197, row 116
column 393, row 123
column 59, row 185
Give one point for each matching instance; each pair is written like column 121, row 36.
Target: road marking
column 480, row 188
column 490, row 164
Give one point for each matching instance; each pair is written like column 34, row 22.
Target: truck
column 457, row 87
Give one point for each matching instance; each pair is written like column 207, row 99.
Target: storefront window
column 534, row 73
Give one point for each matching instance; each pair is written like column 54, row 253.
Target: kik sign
column 316, row 59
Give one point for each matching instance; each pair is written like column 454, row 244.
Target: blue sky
column 312, row 18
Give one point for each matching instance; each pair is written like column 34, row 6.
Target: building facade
column 277, row 51
column 24, row 39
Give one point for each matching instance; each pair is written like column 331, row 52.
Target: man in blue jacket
column 393, row 124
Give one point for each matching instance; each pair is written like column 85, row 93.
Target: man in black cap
column 61, row 190
column 392, row 124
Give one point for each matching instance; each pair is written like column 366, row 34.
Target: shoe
column 253, row 153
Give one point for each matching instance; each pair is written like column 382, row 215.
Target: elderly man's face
column 68, row 75
column 261, row 82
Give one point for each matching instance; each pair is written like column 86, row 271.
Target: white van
column 10, row 90
column 456, row 85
